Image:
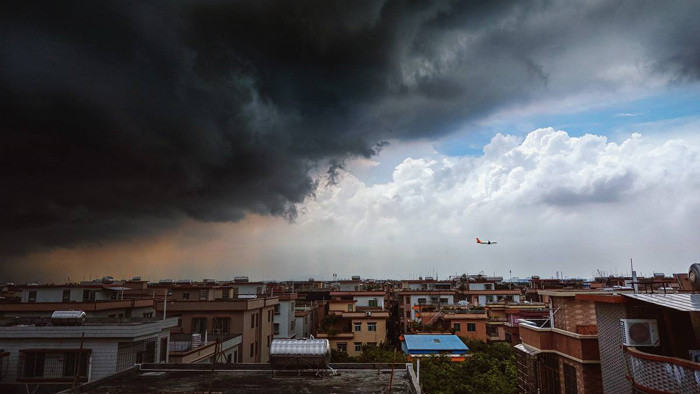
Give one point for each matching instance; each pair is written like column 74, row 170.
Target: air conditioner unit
column 640, row 332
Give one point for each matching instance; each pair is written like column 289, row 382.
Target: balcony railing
column 661, row 374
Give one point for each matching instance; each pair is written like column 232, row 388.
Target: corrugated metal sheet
column 434, row 343
column 682, row 302
column 299, row 347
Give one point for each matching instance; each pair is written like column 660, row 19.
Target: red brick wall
column 573, row 313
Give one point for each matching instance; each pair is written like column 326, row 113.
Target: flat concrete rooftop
column 254, row 378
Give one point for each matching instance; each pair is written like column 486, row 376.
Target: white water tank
column 68, row 318
column 300, row 353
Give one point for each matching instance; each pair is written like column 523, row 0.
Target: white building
column 284, row 318
column 41, row 352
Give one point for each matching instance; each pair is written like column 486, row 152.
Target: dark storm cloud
column 118, row 118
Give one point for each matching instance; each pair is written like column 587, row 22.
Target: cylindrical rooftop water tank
column 300, row 353
column 68, row 318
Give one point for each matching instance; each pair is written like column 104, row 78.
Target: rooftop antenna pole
column 635, row 286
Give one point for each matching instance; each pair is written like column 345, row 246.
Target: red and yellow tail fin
column 478, row 241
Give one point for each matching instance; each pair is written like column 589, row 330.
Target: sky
column 193, row 139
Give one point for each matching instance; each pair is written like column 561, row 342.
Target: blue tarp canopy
column 427, row 344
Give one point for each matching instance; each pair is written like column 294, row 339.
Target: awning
column 527, row 349
column 681, row 301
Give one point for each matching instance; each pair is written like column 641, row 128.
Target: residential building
column 285, row 317
column 356, row 319
column 35, row 351
column 648, row 342
column 252, row 318
column 560, row 353
column 413, row 302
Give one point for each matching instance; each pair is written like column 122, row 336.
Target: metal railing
column 654, row 373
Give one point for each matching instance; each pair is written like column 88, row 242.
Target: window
column 252, row 349
column 276, row 329
column 372, row 326
column 163, row 349
column 66, row 295
column 277, row 309
column 258, row 290
column 185, row 296
column 53, row 364
column 252, row 320
column 422, row 301
column 350, row 307
column 358, row 346
column 457, row 327
column 203, row 294
column 225, row 295
column 444, row 301
column 268, row 341
column 269, row 315
column 32, row 296
column 199, row 325
column 342, row 346
column 221, row 324
column 358, row 326
column 88, row 295
column 373, row 302
column 471, row 326
column 148, row 314
column 488, row 286
column 570, row 379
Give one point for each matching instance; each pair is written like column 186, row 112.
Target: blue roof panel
column 418, row 343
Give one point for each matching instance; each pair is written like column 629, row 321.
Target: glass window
column 358, row 326
column 252, row 349
column 276, row 329
column 457, row 327
column 444, row 300
column 471, row 326
column 203, row 294
column 185, row 296
column 358, row 346
column 277, row 308
column 570, row 386
column 372, row 326
column 350, row 307
column 342, row 346
column 32, row 296
column 199, row 325
column 221, row 324
column 373, row 302
column 66, row 295
column 422, row 301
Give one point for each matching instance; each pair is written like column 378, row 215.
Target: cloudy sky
column 190, row 139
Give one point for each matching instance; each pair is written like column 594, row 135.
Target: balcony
column 580, row 347
column 652, row 373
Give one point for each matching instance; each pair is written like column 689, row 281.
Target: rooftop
column 434, row 343
column 255, row 378
column 683, row 301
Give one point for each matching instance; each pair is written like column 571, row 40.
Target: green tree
column 490, row 368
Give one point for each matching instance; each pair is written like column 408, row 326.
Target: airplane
column 485, row 243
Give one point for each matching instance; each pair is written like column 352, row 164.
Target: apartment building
column 648, row 342
column 460, row 321
column 36, row 351
column 97, row 300
column 252, row 318
column 411, row 303
column 356, row 319
column 560, row 353
column 285, row 316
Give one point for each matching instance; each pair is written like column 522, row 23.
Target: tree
column 490, row 368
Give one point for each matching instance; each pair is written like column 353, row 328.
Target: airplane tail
column 478, row 241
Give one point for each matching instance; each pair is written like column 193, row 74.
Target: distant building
column 361, row 320
column 285, row 317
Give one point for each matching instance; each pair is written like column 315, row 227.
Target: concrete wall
column 285, row 319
